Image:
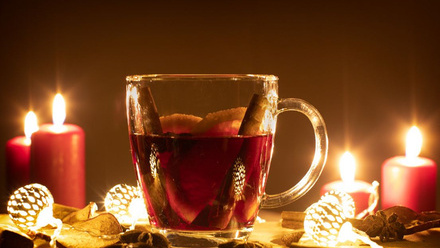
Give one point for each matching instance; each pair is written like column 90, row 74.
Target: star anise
column 387, row 228
column 395, row 222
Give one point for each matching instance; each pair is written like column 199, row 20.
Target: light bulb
column 326, row 221
column 343, row 199
column 323, row 221
column 126, row 203
column 31, row 207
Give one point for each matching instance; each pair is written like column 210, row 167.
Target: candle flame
column 30, row 125
column 347, row 168
column 413, row 143
column 58, row 111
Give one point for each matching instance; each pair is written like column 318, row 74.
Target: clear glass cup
column 201, row 148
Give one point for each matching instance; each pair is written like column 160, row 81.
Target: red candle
column 410, row 180
column 359, row 190
column 18, row 155
column 58, row 158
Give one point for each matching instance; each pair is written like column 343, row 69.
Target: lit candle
column 410, row 180
column 363, row 193
column 58, row 158
column 18, row 155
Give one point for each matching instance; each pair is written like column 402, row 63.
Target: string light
column 343, row 199
column 326, row 221
column 126, row 203
column 31, row 207
column 323, row 221
column 349, row 233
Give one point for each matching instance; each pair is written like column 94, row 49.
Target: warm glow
column 30, row 125
column 31, row 208
column 326, row 224
column 322, row 222
column 58, row 112
column 137, row 210
column 125, row 202
column 44, row 218
column 347, row 167
column 341, row 198
column 413, row 143
column 348, row 233
column 133, row 93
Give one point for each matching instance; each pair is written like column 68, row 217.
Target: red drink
column 202, row 182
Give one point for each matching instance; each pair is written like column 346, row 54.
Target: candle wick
column 57, row 128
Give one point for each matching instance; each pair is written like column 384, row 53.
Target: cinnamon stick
column 150, row 116
column 221, row 214
column 422, row 227
column 254, row 116
column 292, row 219
column 293, row 215
column 142, row 111
column 292, row 224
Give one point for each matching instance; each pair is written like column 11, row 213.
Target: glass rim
column 232, row 77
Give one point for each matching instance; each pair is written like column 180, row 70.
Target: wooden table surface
column 270, row 232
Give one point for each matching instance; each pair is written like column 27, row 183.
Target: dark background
column 370, row 67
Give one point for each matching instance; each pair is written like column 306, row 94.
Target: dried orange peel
column 179, row 123
column 221, row 122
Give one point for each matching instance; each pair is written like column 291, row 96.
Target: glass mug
column 201, row 147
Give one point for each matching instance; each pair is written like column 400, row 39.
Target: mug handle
column 321, row 149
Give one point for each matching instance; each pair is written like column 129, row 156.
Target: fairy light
column 343, row 199
column 125, row 202
column 323, row 221
column 31, row 208
column 326, row 221
column 349, row 233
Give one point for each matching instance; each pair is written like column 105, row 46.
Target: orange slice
column 223, row 122
column 179, row 123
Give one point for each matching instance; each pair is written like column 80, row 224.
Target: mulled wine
column 194, row 182
column 201, row 147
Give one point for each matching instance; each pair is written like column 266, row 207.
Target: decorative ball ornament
column 326, row 221
column 125, row 202
column 323, row 221
column 29, row 205
column 343, row 199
